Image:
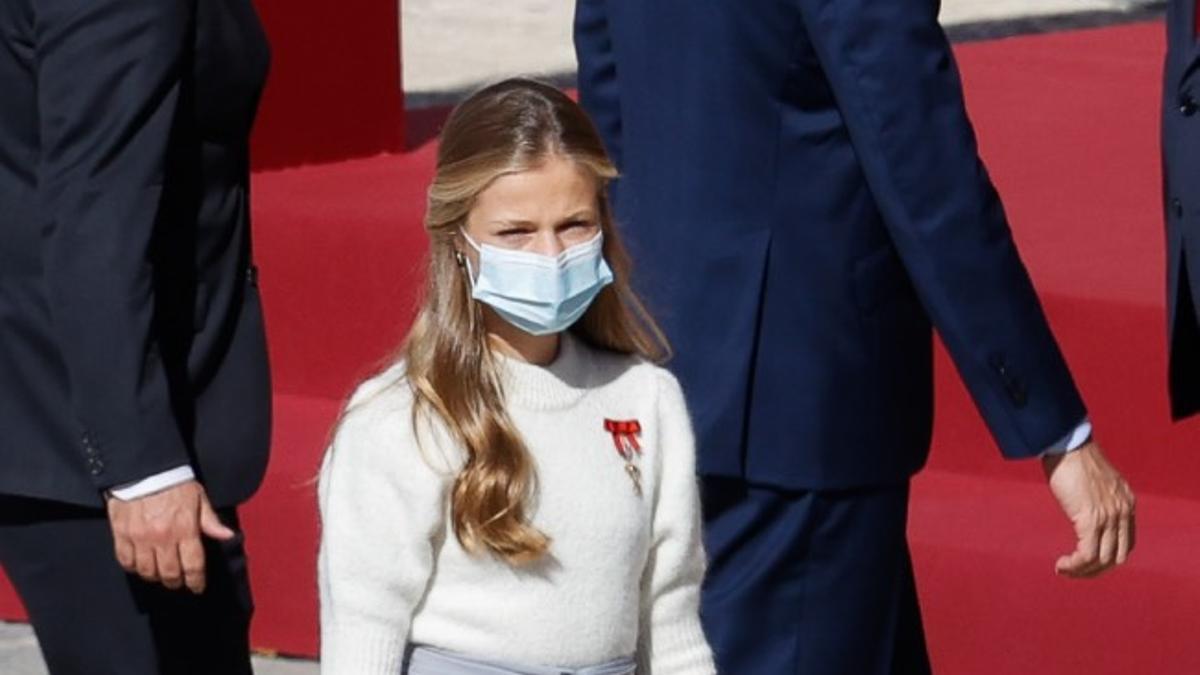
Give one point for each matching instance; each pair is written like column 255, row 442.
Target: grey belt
column 433, row 661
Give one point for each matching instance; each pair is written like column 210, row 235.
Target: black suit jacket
column 131, row 335
column 1181, row 198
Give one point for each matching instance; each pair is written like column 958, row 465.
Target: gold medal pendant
column 635, row 474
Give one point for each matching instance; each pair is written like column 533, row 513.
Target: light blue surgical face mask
column 540, row 294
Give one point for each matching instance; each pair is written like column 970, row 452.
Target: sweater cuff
column 361, row 650
column 676, row 649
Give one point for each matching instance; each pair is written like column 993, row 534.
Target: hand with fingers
column 158, row 537
column 1100, row 506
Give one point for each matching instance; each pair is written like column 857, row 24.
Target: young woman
column 516, row 494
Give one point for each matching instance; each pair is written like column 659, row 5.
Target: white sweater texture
column 624, row 570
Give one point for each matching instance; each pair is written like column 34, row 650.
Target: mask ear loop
column 469, row 273
column 465, row 262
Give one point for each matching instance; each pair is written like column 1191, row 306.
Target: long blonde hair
column 503, row 129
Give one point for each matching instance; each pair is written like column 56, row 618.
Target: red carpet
column 1068, row 124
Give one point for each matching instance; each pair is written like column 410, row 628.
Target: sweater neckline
column 554, row 386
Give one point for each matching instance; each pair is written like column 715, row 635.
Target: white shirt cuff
column 156, row 483
column 1072, row 441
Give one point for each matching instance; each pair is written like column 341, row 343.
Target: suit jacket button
column 1187, row 105
column 1177, row 208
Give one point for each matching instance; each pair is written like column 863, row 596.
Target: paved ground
column 451, row 45
column 19, row 656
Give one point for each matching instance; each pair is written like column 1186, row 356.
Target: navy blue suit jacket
column 803, row 196
column 131, row 333
column 1181, row 174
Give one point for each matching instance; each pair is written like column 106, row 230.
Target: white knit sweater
column 624, row 570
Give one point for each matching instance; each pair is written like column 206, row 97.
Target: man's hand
column 157, row 537
column 1100, row 506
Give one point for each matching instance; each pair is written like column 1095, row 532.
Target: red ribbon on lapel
column 625, row 433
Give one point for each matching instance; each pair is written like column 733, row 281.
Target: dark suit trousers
column 810, row 583
column 92, row 618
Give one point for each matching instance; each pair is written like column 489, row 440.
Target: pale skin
column 158, row 537
column 1099, row 504
column 553, row 207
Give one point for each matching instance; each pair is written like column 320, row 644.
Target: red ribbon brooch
column 625, row 438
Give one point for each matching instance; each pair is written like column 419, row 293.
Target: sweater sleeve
column 382, row 512
column 671, row 639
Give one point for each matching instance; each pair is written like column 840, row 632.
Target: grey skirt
column 433, row 661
